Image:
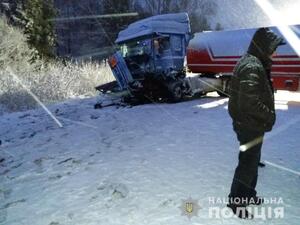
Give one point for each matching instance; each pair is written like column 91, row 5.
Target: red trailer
column 216, row 53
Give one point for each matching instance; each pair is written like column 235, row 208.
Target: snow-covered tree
column 39, row 25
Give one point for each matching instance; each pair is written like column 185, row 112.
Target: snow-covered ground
column 122, row 166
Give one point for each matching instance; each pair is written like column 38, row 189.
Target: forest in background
column 76, row 29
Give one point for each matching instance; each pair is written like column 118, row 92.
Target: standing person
column 251, row 107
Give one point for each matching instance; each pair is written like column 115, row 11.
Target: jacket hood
column 263, row 44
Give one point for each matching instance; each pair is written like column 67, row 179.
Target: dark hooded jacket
column 251, row 102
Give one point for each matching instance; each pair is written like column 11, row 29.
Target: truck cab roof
column 176, row 23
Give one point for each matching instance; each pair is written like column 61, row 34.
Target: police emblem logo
column 189, row 207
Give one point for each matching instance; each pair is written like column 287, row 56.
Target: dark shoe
column 240, row 211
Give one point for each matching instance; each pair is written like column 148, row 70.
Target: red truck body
column 218, row 52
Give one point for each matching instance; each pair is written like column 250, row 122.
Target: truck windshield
column 135, row 48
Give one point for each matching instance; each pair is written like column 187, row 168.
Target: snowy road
column 122, row 166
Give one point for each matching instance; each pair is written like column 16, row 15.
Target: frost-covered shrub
column 50, row 82
column 14, row 51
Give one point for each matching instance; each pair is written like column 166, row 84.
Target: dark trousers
column 245, row 176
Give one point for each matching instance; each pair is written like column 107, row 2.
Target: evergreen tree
column 40, row 26
column 13, row 11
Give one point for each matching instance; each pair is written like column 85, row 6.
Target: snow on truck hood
column 177, row 23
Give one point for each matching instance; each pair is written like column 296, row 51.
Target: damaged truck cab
column 150, row 60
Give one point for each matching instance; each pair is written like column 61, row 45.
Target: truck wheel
column 176, row 92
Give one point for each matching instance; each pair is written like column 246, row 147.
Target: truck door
column 178, row 52
column 163, row 54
